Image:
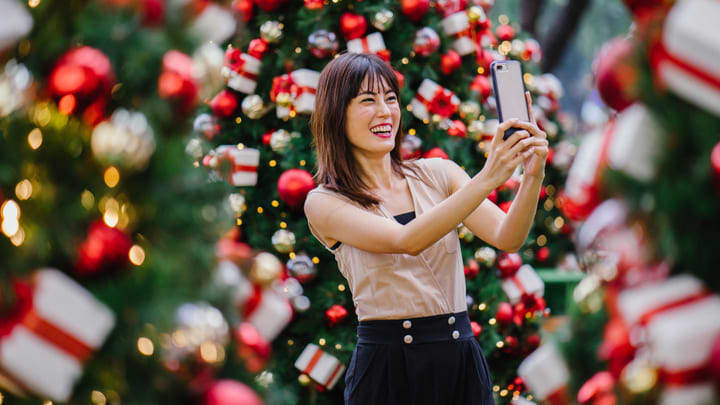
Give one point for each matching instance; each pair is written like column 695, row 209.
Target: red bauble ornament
column 257, row 48
column 176, row 82
column 252, row 347
column 230, row 392
column 616, row 347
column 352, row 25
column 481, row 85
column 335, row 314
column 615, row 76
column 543, row 254
column 244, row 8
column 415, row 9
column 267, row 136
column 511, row 344
column 472, row 268
column 505, row 206
column 543, row 193
column 269, row 5
column 596, row 387
column 293, row 187
column 224, row 104
column 509, row 185
column 504, row 314
column 493, row 196
column 550, row 155
column 104, row 249
column 231, row 247
column 400, row 79
column 508, row 264
column 533, row 341
column 505, row 32
column 458, row 129
column 484, row 58
column 313, row 4
column 476, row 328
column 450, row 62
column 436, row 152
column 153, row 12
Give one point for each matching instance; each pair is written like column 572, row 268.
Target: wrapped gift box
column 457, row 25
column 525, row 281
column 323, row 368
column 241, row 70
column 546, row 374
column 60, row 326
column 373, row 43
column 431, row 98
column 636, row 143
column 237, row 166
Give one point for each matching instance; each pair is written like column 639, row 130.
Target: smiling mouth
column 382, row 131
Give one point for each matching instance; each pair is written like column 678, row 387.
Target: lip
column 381, row 124
column 379, row 135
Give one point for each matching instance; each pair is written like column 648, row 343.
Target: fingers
column 531, row 142
column 530, row 127
column 512, row 141
column 528, row 99
column 500, row 132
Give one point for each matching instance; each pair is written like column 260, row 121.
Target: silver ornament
column 283, row 241
column 271, row 31
column 302, row 268
column 475, row 130
column 323, row 43
column 200, row 331
column 206, row 125
column 469, row 110
column 383, row 19
column 194, row 149
column 253, row 107
column 280, row 141
column 486, row 256
column 15, row 81
column 237, row 203
column 301, row 303
column 125, row 140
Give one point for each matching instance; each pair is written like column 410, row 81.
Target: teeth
column 382, row 128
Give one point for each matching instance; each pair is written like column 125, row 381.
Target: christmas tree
column 254, row 135
column 644, row 190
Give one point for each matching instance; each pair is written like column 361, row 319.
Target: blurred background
column 155, row 156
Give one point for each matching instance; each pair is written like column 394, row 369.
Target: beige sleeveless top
column 396, row 286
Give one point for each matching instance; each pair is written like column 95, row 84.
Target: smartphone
column 509, row 88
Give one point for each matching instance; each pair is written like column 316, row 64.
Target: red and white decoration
column 323, row 368
column 685, row 60
column 295, row 92
column 546, row 374
column 373, row 43
column 525, row 282
column 458, row 25
column 241, row 70
column 57, row 327
column 237, row 166
column 667, row 318
column 431, row 98
column 635, row 143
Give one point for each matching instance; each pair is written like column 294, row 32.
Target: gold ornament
column 252, row 106
column 280, row 140
column 237, row 203
column 486, row 256
column 639, row 378
column 283, row 241
column 283, row 99
column 436, row 119
column 383, row 19
column 465, row 234
column 303, row 379
column 469, row 110
column 265, row 268
column 475, row 130
column 475, row 14
column 517, row 47
column 271, row 31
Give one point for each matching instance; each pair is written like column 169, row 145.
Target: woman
column 391, row 225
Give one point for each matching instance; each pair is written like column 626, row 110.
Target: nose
column 383, row 109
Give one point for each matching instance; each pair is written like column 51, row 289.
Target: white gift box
column 544, row 371
column 243, row 164
column 372, row 43
column 323, row 368
column 695, row 394
column 525, row 281
column 45, row 351
column 457, row 25
column 584, row 173
column 687, row 60
column 214, row 24
column 425, row 95
column 636, row 143
column 271, row 315
column 304, row 97
column 243, row 75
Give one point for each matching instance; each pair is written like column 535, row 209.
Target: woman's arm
column 339, row 220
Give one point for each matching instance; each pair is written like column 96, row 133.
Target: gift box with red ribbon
column 241, row 70
column 466, row 35
column 268, row 311
column 546, row 374
column 431, row 98
column 237, row 166
column 525, row 282
column 373, row 43
column 667, row 318
column 686, row 59
column 325, row 369
column 635, row 143
column 53, row 331
column 294, row 92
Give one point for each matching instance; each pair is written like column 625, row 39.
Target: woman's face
column 373, row 118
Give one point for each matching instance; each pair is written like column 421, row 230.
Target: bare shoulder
column 318, row 202
column 441, row 167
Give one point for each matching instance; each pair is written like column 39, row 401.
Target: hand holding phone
column 509, row 90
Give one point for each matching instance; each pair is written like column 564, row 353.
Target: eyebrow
column 372, row 93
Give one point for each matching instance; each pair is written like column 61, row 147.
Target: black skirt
column 431, row 360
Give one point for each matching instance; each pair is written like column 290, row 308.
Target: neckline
column 412, row 197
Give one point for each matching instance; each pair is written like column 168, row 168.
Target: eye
column 392, row 98
column 367, row 99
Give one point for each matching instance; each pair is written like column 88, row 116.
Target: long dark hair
column 339, row 83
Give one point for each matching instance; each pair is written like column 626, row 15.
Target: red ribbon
column 235, row 61
column 685, row 377
column 441, row 102
column 313, row 361
column 698, row 296
column 659, row 55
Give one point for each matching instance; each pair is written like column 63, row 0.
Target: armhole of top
column 439, row 180
column 314, row 231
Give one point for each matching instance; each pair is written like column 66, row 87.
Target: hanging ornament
column 505, row 32
column 450, row 62
column 15, row 83
column 215, row 23
column 82, row 80
column 270, row 5
column 465, row 234
column 293, row 187
column 201, row 326
column 469, row 301
column 410, row 148
column 457, row 128
column 206, row 125
column 266, row 267
column 481, row 87
column 238, row 166
column 230, row 392
column 224, row 104
column 352, row 25
column 271, row 31
column 478, row 18
column 475, row 132
column 533, row 52
column 252, row 106
column 483, row 59
column 469, row 110
column 241, row 70
column 383, row 19
column 415, row 9
column 244, row 8
column 323, row 43
column 194, row 148
column 436, row 152
column 301, row 303
column 504, row 315
column 126, row 140
column 302, row 268
column 237, row 203
column 335, row 314
column 511, row 344
column 543, row 254
column 313, row 4
column 176, row 82
column 16, row 23
column 476, row 328
column 104, row 249
column 486, row 256
column 280, row 140
column 615, row 74
column 258, row 47
column 208, row 61
column 471, row 269
column 400, row 78
column 426, row 41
